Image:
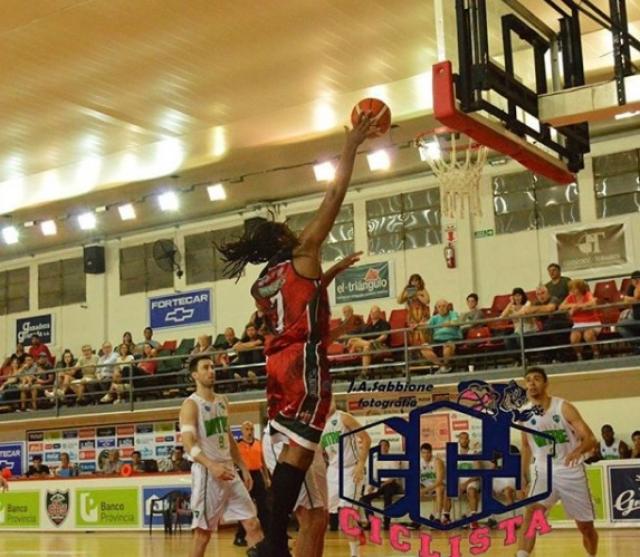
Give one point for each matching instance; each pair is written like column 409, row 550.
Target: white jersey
column 612, row 452
column 213, row 427
column 552, row 423
column 428, row 472
column 330, row 442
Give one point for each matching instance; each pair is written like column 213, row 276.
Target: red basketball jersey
column 296, row 308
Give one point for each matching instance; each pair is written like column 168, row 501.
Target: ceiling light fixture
column 48, row 228
column 10, row 235
column 168, row 201
column 430, row 151
column 87, row 221
column 127, row 211
column 325, row 171
column 216, row 192
column 379, row 160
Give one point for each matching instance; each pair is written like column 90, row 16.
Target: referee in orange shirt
column 251, row 452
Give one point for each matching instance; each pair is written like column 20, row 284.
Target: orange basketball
column 6, row 473
column 381, row 115
column 126, row 470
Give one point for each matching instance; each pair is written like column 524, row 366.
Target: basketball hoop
column 459, row 177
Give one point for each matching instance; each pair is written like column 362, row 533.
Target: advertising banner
column 180, row 310
column 588, row 248
column 20, row 509
column 624, row 492
column 107, row 508
column 37, row 325
column 12, row 457
column 364, row 282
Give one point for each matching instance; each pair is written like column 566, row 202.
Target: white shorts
column 569, row 486
column 350, row 488
column 313, row 494
column 212, row 499
column 475, row 484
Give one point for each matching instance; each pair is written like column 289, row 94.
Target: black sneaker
column 240, row 542
column 413, row 526
column 492, row 523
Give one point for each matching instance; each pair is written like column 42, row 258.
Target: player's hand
column 358, row 474
column 348, row 261
column 361, row 130
column 573, row 458
column 220, row 471
column 247, row 479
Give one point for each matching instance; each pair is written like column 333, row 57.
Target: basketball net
column 459, row 179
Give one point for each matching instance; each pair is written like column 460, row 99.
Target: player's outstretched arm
column 525, row 461
column 317, row 230
column 189, row 431
column 588, row 441
column 364, row 440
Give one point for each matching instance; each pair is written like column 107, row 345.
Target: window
column 616, row 180
column 203, row 261
column 61, row 283
column 139, row 271
column 339, row 242
column 525, row 201
column 14, row 291
column 404, row 221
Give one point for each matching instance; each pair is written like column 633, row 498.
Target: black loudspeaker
column 94, row 260
column 251, row 224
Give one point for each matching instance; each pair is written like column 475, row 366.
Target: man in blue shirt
column 445, row 331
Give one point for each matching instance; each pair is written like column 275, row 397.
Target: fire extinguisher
column 450, row 256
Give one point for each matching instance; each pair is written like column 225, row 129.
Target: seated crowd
column 561, row 312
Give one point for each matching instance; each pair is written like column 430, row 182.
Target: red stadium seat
column 606, row 292
column 333, row 324
column 624, row 286
column 170, row 345
column 500, row 302
column 531, row 296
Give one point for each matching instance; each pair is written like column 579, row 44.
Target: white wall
column 488, row 266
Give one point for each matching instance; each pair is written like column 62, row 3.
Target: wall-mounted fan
column 167, row 256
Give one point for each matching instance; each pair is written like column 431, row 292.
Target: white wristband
column 195, row 451
column 187, row 429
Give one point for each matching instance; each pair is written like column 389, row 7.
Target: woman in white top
column 118, row 388
column 514, row 308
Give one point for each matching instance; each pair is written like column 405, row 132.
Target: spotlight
column 10, row 235
column 168, row 201
column 378, row 160
column 49, row 228
column 429, row 152
column 216, row 192
column 325, row 171
column 87, row 221
column 127, row 212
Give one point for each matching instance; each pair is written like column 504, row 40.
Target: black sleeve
column 631, row 291
column 45, row 469
column 385, row 326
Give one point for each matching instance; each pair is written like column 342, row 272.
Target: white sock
column 354, row 547
column 522, row 553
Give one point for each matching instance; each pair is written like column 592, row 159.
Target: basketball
column 6, row 473
column 381, row 115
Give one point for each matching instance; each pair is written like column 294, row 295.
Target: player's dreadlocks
column 257, row 246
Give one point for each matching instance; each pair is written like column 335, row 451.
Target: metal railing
column 508, row 348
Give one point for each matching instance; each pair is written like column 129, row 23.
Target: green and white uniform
column 213, row 499
column 610, row 452
column 330, row 443
column 467, row 466
column 569, row 482
column 428, row 472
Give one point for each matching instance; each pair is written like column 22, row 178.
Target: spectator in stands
column 121, row 372
column 136, row 462
column 37, row 469
column 250, row 353
column 19, row 353
column 203, row 345
column 106, row 364
column 610, row 448
column 375, row 338
column 630, row 324
column 68, row 372
column 473, row 313
column 523, row 326
column 10, row 380
column 113, row 465
column 37, row 348
column 635, row 449
column 128, row 340
column 558, row 286
column 416, row 298
column 586, row 322
column 352, row 324
column 227, row 343
column 444, row 332
column 545, row 308
column 66, row 469
column 258, row 321
column 43, row 380
column 27, row 375
column 146, row 367
column 180, row 463
column 88, row 380
column 148, row 339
